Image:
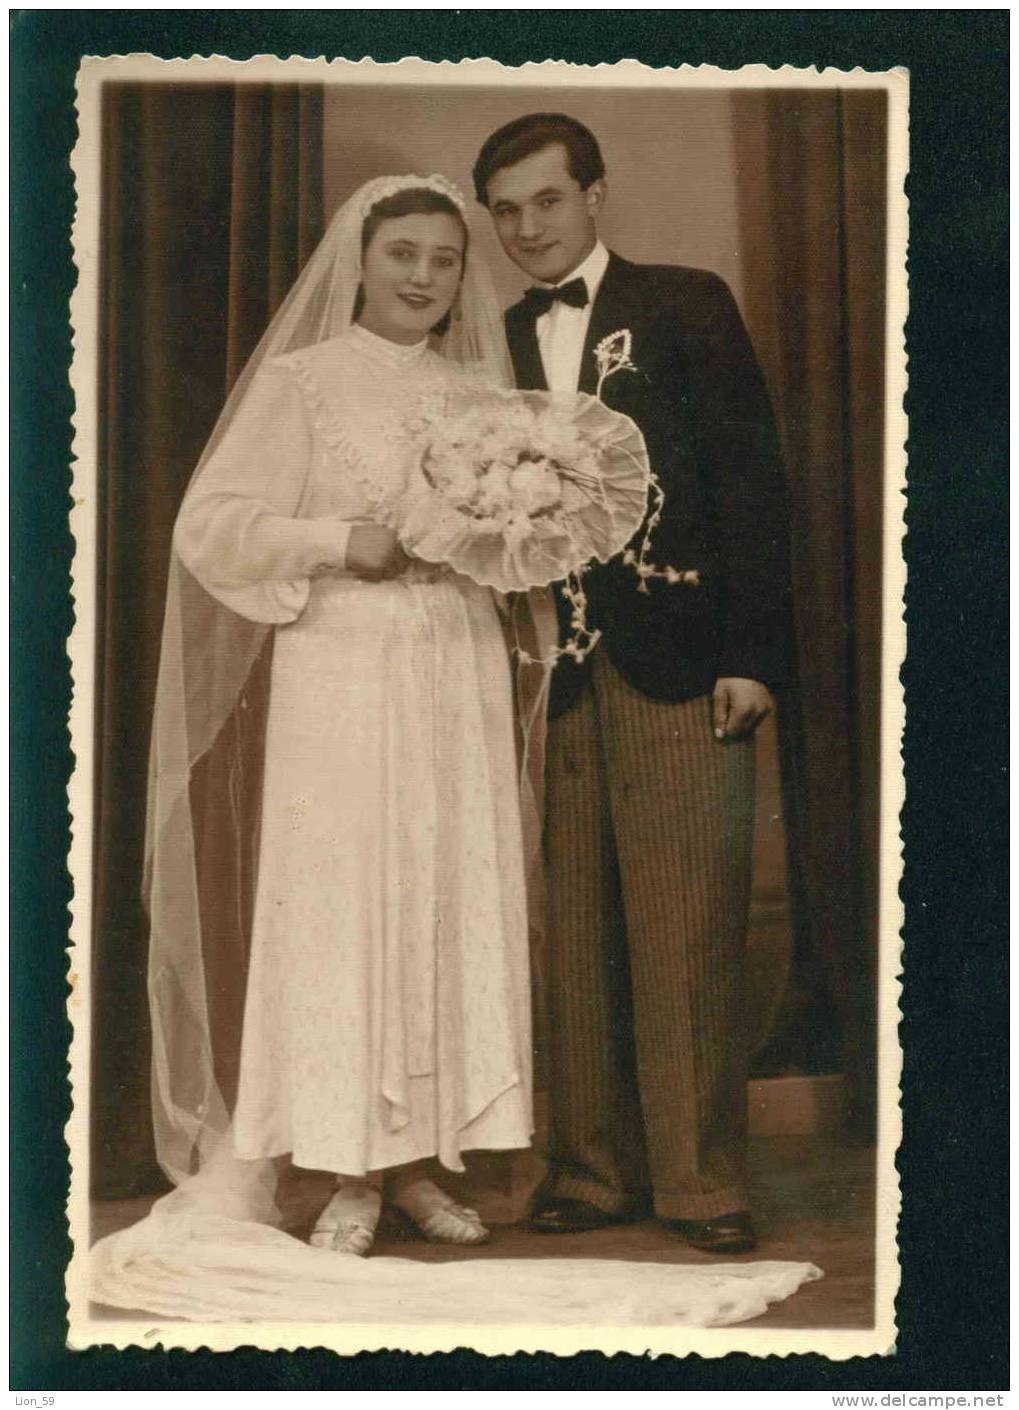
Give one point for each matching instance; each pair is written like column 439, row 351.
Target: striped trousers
column 649, row 846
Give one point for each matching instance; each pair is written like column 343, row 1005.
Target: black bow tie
column 539, row 300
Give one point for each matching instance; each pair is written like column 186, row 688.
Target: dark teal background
column 952, row 1309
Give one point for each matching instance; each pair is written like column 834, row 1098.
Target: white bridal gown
column 387, row 1014
column 388, row 1000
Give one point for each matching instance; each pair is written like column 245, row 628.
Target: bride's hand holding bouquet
column 520, row 489
column 374, row 553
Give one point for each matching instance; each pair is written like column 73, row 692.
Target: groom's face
column 543, row 218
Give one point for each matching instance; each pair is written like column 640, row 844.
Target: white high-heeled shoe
column 347, row 1224
column 439, row 1217
column 454, row 1224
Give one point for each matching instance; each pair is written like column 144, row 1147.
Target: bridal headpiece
column 385, row 186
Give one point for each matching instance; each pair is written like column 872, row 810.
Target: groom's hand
column 739, row 706
column 374, row 553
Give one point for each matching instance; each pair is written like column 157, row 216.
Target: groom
column 650, row 755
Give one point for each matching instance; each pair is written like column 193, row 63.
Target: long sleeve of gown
column 239, row 530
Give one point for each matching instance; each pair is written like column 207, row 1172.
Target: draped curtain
column 811, row 176
column 211, row 201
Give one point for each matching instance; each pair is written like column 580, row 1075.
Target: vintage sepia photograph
column 488, row 505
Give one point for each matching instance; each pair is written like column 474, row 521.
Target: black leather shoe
column 572, row 1216
column 726, row 1233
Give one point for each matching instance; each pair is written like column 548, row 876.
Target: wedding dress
column 387, row 1013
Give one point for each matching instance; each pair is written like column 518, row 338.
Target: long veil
column 210, row 1249
column 206, row 658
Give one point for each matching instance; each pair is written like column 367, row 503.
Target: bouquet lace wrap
column 519, row 489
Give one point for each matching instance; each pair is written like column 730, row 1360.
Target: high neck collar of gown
column 394, row 354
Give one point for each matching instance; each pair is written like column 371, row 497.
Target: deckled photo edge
column 83, row 1330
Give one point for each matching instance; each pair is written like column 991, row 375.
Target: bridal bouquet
column 520, row 489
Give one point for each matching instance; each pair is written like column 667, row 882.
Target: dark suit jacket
column 700, row 401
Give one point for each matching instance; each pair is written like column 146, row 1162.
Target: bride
column 386, row 1013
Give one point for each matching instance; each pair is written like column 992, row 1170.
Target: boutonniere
column 613, row 355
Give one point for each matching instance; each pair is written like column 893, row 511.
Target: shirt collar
column 592, row 271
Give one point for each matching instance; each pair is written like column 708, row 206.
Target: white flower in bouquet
column 459, row 482
column 519, row 490
column 494, row 489
column 515, row 421
column 535, row 486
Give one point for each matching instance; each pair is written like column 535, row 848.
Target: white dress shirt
column 561, row 331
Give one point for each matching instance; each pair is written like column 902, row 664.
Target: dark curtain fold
column 211, row 202
column 812, row 173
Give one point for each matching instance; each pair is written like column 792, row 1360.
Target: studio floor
column 814, row 1202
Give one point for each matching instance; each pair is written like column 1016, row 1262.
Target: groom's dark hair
column 528, row 134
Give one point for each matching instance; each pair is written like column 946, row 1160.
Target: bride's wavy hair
column 416, row 200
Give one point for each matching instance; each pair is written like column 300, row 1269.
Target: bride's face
column 410, row 274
